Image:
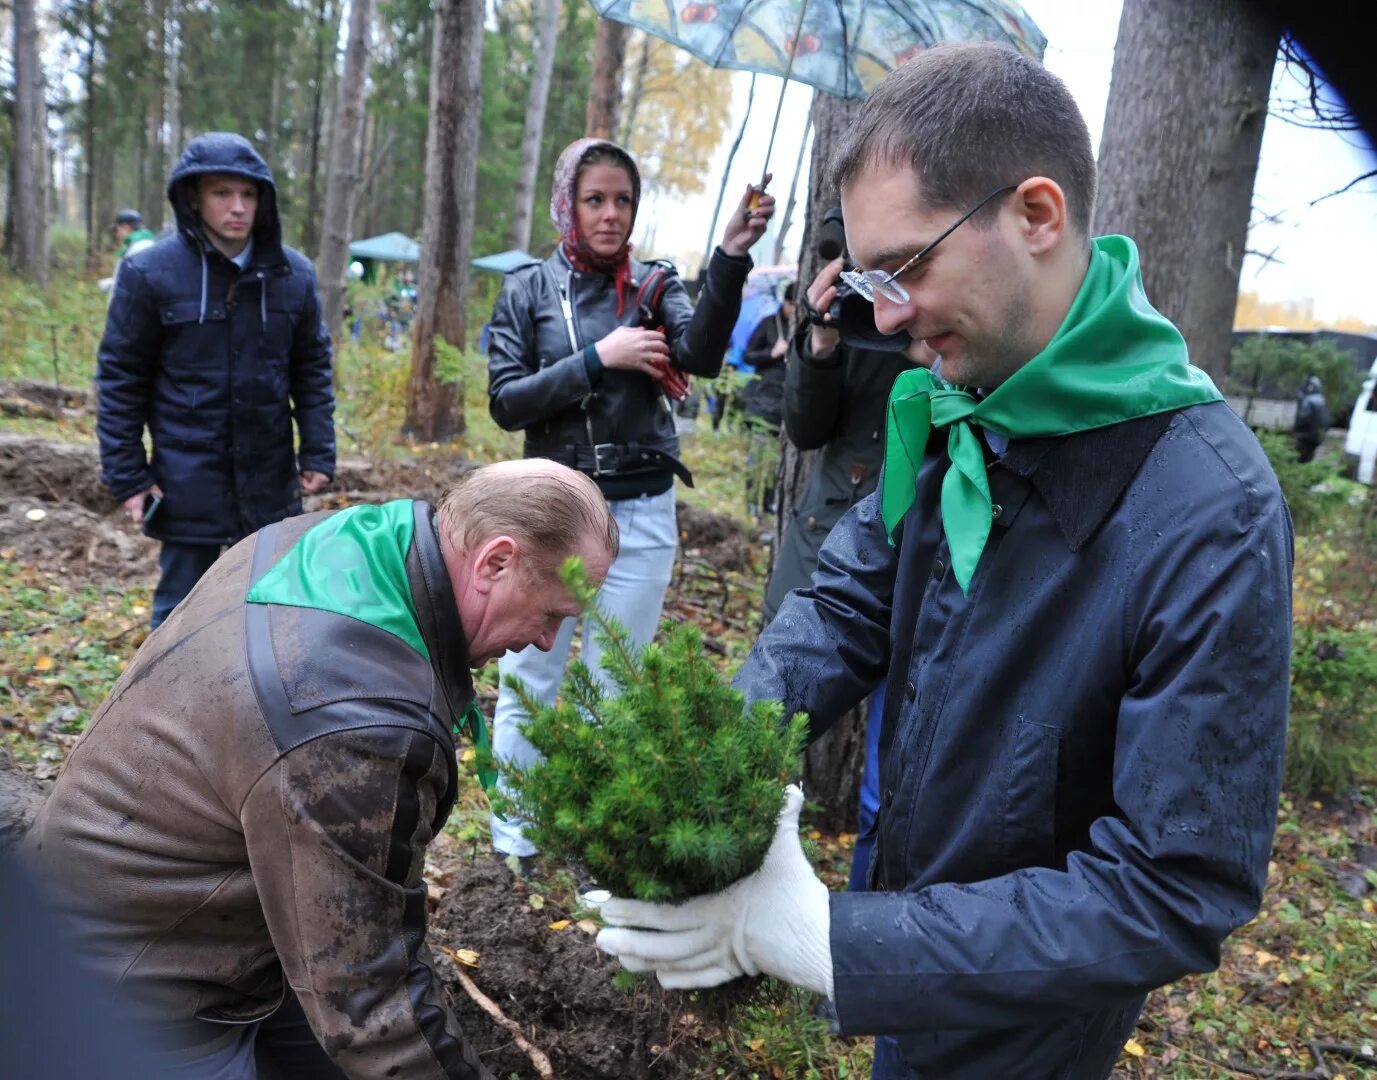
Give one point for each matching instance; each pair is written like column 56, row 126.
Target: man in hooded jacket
column 215, row 344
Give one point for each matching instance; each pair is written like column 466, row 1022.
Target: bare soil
column 553, row 983
column 557, row 986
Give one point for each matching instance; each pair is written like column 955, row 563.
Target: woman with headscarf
column 586, row 351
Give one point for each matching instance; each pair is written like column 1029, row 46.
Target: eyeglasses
column 868, row 282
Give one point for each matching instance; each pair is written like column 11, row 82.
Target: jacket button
column 996, row 511
column 889, row 795
column 938, row 569
column 812, row 523
column 911, row 689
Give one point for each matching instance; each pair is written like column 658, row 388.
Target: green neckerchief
column 1114, row 358
column 133, row 238
column 354, row 564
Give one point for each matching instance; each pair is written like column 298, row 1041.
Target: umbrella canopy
column 844, row 47
column 503, row 261
column 389, row 247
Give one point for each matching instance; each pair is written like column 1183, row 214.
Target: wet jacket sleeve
column 520, row 391
column 1199, row 744
column 813, row 392
column 699, row 335
column 126, row 366
column 336, row 832
column 828, row 646
column 313, row 387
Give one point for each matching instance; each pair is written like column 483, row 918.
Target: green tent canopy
column 503, row 261
column 389, row 247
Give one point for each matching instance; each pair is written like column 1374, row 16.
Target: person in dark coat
column 214, row 343
column 1312, row 418
column 762, row 403
column 766, row 350
column 834, row 402
column 1074, row 580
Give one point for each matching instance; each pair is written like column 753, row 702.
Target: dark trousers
column 889, row 1062
column 286, row 1048
column 280, row 1047
column 182, row 566
column 870, row 795
column 1305, row 448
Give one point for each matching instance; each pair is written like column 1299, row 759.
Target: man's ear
column 495, row 561
column 1040, row 205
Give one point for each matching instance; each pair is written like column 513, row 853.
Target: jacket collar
column 437, row 613
column 1082, row 475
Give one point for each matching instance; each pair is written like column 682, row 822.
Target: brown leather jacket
column 249, row 810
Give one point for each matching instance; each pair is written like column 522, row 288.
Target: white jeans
column 633, row 594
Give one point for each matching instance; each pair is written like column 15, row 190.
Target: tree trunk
column 29, row 251
column 628, row 123
column 88, row 147
column 310, row 230
column 832, row 766
column 172, row 103
column 605, row 85
column 155, row 174
column 1180, row 180
column 345, row 171
column 543, row 65
column 786, row 219
column 434, row 409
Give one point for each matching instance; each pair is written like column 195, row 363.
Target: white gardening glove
column 775, row 922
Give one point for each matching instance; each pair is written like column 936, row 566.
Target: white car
column 1360, row 445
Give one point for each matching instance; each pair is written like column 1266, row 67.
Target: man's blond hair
column 550, row 510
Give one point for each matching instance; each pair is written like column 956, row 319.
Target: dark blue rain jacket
column 1081, row 760
column 216, row 363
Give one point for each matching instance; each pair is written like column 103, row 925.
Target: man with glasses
column 1074, row 581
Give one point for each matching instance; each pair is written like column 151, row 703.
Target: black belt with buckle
column 617, row 459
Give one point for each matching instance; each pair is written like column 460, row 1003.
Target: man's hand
column 775, row 922
column 747, row 224
column 821, row 294
column 133, row 506
column 311, row 482
column 780, row 347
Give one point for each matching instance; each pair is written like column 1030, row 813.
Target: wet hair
column 790, row 291
column 551, row 511
column 969, row 118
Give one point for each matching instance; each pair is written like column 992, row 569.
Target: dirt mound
column 53, row 471
column 20, row 797
column 714, row 538
column 54, row 512
column 28, row 397
column 557, row 987
column 361, row 480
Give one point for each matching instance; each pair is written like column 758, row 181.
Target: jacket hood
column 226, row 152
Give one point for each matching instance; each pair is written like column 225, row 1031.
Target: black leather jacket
column 612, row 425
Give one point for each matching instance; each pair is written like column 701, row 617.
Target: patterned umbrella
column 844, row 47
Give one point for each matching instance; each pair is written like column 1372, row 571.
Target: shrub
column 670, row 788
column 1276, row 368
column 1314, row 491
column 1333, row 735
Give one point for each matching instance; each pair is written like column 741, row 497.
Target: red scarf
column 586, row 261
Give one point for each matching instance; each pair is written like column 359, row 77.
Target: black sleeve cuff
column 592, row 363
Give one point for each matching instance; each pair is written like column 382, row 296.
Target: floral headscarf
column 562, row 194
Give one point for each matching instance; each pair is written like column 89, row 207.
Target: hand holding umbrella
column 747, row 225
